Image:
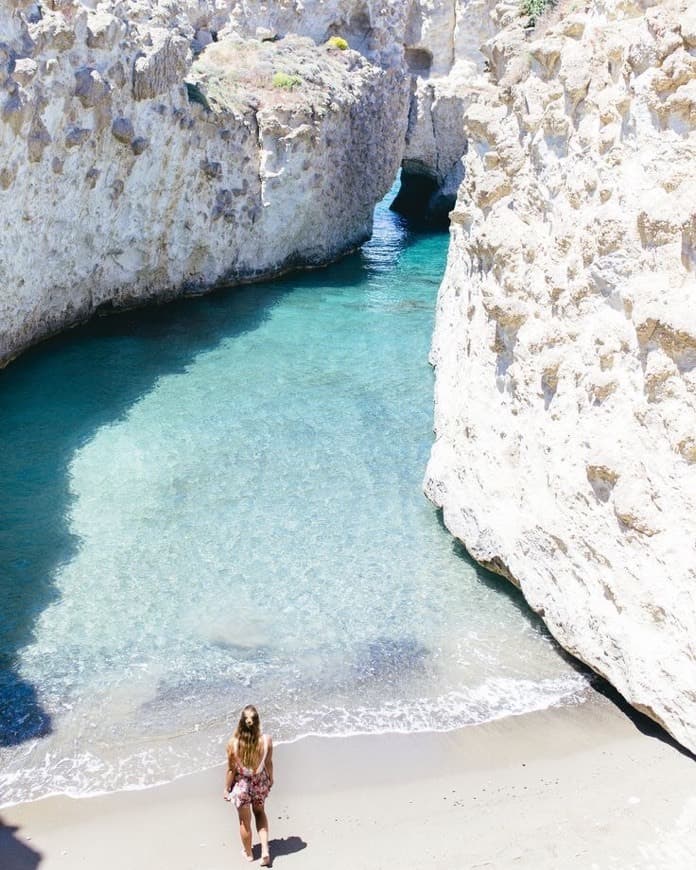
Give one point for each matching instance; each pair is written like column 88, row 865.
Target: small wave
column 496, row 698
column 89, row 775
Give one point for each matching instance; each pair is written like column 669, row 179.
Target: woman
column 249, row 779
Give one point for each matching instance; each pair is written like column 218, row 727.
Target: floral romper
column 251, row 786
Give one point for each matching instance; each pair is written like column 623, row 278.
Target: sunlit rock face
column 443, row 54
column 436, row 43
column 145, row 155
column 148, row 151
column 565, row 344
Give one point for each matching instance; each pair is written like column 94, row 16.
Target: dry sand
column 577, row 787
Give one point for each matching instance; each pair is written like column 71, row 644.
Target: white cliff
column 145, row 156
column 443, row 54
column 565, row 344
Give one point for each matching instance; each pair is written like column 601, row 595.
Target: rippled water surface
column 219, row 502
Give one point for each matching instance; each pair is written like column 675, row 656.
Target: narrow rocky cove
column 151, row 151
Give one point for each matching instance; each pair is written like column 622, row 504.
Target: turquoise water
column 219, row 502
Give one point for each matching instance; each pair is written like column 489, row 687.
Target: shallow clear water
column 219, row 502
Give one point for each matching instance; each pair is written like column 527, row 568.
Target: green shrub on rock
column 196, row 95
column 285, row 80
column 337, row 42
column 535, row 9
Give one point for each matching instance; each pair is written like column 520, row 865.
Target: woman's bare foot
column 265, row 860
column 248, row 855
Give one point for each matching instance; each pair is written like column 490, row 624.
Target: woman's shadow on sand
column 278, row 848
column 15, row 854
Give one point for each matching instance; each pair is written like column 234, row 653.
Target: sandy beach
column 575, row 787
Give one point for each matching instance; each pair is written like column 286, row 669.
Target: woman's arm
column 269, row 760
column 231, row 769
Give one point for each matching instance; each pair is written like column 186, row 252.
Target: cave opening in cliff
column 421, row 201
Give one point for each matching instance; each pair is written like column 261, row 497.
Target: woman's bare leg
column 261, row 820
column 245, row 829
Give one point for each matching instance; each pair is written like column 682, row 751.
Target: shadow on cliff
column 52, row 401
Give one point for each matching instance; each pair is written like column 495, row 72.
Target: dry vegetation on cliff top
column 239, row 72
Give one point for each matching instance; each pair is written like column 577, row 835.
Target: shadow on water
column 502, row 586
column 52, row 401
column 55, row 398
column 14, row 854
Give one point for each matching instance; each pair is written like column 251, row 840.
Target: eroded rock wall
column 565, row 344
column 443, row 53
column 144, row 155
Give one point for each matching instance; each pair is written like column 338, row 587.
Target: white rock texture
column 145, row 154
column 565, row 343
column 443, row 43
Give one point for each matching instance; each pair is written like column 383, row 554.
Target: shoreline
column 576, row 786
column 572, row 695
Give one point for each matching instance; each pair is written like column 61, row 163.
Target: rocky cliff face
column 565, row 344
column 146, row 153
column 444, row 56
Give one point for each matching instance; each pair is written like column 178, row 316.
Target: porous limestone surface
column 565, row 342
column 436, row 41
column 145, row 156
column 443, row 51
column 442, row 48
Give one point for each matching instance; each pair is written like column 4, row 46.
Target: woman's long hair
column 248, row 737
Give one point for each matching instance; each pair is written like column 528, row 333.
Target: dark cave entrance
column 421, row 200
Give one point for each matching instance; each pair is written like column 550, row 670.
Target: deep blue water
column 219, row 502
